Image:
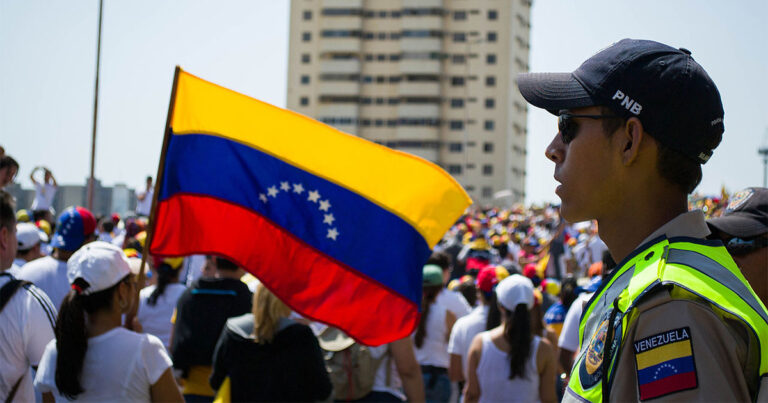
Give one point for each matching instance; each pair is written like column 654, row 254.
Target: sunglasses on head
column 568, row 126
column 740, row 246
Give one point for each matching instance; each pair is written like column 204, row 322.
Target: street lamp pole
column 764, row 153
column 91, row 179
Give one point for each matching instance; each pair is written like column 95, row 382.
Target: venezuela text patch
column 665, row 363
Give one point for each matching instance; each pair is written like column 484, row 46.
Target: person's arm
column 454, row 369
column 165, row 389
column 317, row 374
column 408, row 369
column 450, row 320
column 218, row 364
column 566, row 360
column 53, row 179
column 546, row 363
column 48, row 397
column 32, row 175
column 472, row 389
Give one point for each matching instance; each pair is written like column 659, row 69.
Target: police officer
column 675, row 320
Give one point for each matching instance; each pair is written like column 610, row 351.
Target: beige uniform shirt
column 725, row 353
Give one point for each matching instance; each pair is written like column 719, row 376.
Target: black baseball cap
column 677, row 102
column 746, row 215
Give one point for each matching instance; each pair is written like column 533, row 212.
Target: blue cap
column 74, row 225
column 677, row 102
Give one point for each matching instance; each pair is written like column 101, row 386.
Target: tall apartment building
column 434, row 78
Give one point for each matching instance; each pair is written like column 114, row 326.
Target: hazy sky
column 47, row 66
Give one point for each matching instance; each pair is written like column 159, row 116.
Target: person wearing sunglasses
column 743, row 228
column 675, row 320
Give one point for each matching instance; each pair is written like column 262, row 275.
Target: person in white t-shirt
column 106, row 362
column 158, row 302
column 75, row 228
column 452, row 300
column 44, row 192
column 431, row 337
column 30, row 239
column 144, row 199
column 466, row 328
column 510, row 362
column 27, row 318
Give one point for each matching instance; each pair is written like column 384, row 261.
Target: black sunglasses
column 568, row 127
column 739, row 246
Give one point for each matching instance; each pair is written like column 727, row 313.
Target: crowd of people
column 517, row 304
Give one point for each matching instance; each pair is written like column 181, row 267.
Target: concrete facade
column 434, row 78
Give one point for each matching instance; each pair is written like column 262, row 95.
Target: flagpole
column 91, row 178
column 158, row 183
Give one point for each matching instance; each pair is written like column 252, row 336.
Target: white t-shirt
column 156, row 319
column 119, row 365
column 493, row 375
column 43, row 196
column 50, row 275
column 16, row 266
column 454, row 302
column 27, row 326
column 380, row 384
column 569, row 336
column 144, row 207
column 434, row 349
column 464, row 331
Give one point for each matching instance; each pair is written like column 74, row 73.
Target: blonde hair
column 267, row 311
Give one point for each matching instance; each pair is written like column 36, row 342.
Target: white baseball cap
column 100, row 264
column 515, row 290
column 29, row 235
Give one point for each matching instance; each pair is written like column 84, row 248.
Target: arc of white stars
column 272, row 191
column 285, row 186
column 263, row 197
column 332, row 233
column 325, row 205
column 298, row 188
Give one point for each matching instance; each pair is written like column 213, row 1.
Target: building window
column 490, row 58
column 457, row 81
column 487, row 170
column 382, row 14
column 459, row 15
column 455, row 147
column 457, row 103
column 306, row 36
column 454, row 169
column 381, row 57
column 458, row 59
column 490, row 81
column 490, row 37
column 493, row 15
column 488, row 147
column 341, row 33
column 305, row 79
column 490, row 103
column 307, row 15
column 469, row 188
column 381, row 79
column 368, row 57
column 459, row 37
column 304, row 101
column 382, row 35
column 487, row 192
column 456, row 124
column 489, row 125
column 305, row 58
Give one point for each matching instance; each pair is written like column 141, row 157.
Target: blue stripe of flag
column 664, row 369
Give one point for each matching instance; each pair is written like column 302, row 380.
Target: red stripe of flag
column 669, row 384
column 338, row 294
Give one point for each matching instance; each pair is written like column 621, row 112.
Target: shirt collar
column 689, row 224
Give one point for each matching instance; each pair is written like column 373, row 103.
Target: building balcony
column 422, row 3
column 351, row 66
column 342, row 3
column 420, row 66
column 411, row 88
column 416, row 44
column 340, row 45
column 339, row 87
column 434, row 22
column 427, row 133
column 418, row 110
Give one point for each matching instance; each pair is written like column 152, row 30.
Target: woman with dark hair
column 93, row 358
column 431, row 337
column 158, row 302
column 269, row 357
column 510, row 362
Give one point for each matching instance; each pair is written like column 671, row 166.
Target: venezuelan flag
column 336, row 226
column 666, row 369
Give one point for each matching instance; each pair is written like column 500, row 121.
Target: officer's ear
column 631, row 138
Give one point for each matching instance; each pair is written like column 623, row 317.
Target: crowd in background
column 502, row 294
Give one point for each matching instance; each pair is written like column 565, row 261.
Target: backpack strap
column 9, row 289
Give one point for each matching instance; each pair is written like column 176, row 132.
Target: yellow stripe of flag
column 391, row 179
column 663, row 353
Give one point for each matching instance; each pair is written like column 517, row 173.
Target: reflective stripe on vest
column 700, row 267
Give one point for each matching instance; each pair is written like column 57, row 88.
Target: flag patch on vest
column 665, row 363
